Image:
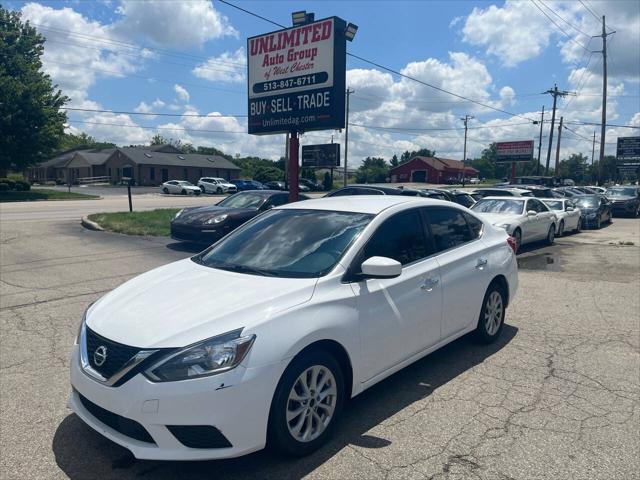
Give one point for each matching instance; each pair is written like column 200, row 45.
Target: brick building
column 431, row 170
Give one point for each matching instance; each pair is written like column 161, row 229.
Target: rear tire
column 298, row 409
column 183, row 192
column 165, row 190
column 492, row 315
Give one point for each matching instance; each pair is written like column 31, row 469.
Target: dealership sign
column 521, row 151
column 296, row 78
column 628, row 153
column 326, row 155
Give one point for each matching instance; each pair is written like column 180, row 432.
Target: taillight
column 512, row 243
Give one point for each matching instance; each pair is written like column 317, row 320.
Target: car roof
column 509, row 189
column 497, row 197
column 373, row 204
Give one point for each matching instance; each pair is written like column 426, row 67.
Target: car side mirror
column 532, row 213
column 381, row 267
column 570, row 209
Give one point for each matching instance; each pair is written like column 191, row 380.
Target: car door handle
column 429, row 283
column 481, row 263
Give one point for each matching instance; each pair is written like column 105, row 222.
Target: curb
column 90, row 225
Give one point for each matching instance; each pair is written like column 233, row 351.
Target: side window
column 448, row 228
column 366, row 191
column 400, row 237
column 344, row 192
column 537, row 205
column 279, row 199
column 474, row 224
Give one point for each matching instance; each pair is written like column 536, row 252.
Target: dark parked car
column 210, row 223
column 586, row 190
column 244, row 185
column 541, row 191
column 275, row 185
column 311, row 185
column 457, row 196
column 375, row 190
column 625, row 200
column 595, row 210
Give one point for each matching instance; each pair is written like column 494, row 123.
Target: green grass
column 153, row 222
column 43, row 194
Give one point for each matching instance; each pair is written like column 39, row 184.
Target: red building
column 431, row 170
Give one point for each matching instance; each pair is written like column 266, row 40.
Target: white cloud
column 228, row 67
column 181, row 92
column 178, row 24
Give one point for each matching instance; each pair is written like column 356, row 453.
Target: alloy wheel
column 311, row 403
column 493, row 313
column 561, row 229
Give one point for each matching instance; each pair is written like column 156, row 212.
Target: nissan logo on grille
column 100, row 355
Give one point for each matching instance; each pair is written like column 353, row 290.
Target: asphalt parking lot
column 557, row 397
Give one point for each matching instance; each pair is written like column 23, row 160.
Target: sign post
column 296, row 82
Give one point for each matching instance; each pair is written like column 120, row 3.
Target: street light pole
column 465, row 120
column 346, row 137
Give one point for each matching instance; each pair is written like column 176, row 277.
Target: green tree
column 158, row 139
column 407, row 155
column 573, row 167
column 31, row 121
column 372, row 170
column 326, row 182
column 71, row 141
column 394, row 161
column 268, row 174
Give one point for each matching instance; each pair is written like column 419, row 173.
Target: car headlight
column 217, row 219
column 82, row 322
column 591, row 215
column 178, row 214
column 209, row 357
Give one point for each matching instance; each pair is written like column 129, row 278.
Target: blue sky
column 187, row 58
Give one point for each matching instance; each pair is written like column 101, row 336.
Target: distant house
column 145, row 165
column 431, row 170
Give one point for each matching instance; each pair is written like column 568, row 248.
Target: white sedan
column 525, row 219
column 284, row 320
column 569, row 216
column 181, row 187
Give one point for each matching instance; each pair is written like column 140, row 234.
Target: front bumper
column 205, row 234
column 624, row 208
column 236, row 403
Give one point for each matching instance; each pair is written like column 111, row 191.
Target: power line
column 559, row 27
column 589, row 10
column 562, row 18
column 391, row 70
column 154, row 128
column 375, row 127
column 151, row 114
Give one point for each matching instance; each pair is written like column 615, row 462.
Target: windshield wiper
column 245, row 269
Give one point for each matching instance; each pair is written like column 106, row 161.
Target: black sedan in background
column 208, row 224
column 625, row 200
column 595, row 210
column 375, row 190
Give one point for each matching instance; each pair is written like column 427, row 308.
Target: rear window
column 448, row 228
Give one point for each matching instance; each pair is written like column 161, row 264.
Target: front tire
column 561, row 228
column 492, row 315
column 579, row 225
column 517, row 234
column 306, row 405
column 551, row 235
column 218, row 190
column 183, row 192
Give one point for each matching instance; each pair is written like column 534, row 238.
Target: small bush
column 4, row 187
column 9, row 182
column 22, row 186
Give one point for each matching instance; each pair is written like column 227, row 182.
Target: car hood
column 200, row 214
column 498, row 218
column 182, row 303
column 621, row 198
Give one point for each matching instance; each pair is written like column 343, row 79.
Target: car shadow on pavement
column 82, row 453
column 186, row 247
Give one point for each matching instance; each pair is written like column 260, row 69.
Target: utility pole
column 555, row 93
column 540, row 142
column 346, row 136
column 465, row 120
column 603, row 125
column 558, row 145
column 593, row 148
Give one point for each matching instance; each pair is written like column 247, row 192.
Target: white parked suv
column 282, row 321
column 216, row 185
column 526, row 219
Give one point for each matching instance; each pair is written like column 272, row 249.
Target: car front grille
column 116, row 355
column 199, row 436
column 120, row 424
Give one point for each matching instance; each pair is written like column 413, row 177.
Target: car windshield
column 621, row 192
column 554, row 205
column 243, row 200
column 291, row 243
column 464, row 199
column 509, row 206
column 185, row 183
column 589, row 202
